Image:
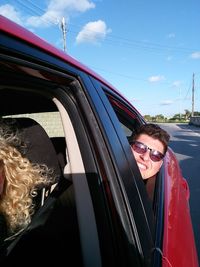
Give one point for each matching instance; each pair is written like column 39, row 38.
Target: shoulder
column 150, row 187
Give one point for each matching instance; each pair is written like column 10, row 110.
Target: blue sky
column 149, row 50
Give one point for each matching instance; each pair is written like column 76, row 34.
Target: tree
column 148, row 117
column 187, row 114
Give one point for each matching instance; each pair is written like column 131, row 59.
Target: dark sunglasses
column 141, row 148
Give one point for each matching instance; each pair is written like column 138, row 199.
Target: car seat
column 38, row 149
column 54, row 227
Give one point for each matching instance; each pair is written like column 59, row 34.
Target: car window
column 34, row 99
column 129, row 120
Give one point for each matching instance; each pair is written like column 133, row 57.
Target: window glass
column 129, row 119
column 50, row 121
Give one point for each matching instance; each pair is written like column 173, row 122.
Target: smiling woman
column 99, row 209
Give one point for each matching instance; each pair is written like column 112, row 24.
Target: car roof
column 14, row 29
column 11, row 28
column 20, row 32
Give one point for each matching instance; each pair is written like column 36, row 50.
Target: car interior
column 50, row 204
column 54, row 228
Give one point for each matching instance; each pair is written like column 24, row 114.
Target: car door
column 124, row 119
column 114, row 215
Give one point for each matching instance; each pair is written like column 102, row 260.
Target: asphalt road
column 185, row 142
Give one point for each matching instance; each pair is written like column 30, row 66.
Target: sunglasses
column 141, row 148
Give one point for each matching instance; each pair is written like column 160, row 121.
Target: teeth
column 142, row 166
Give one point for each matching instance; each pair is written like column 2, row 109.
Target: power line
column 31, row 10
column 36, row 6
column 193, row 94
column 64, row 32
column 111, row 39
column 34, row 12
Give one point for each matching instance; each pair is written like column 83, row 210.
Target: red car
column 99, row 213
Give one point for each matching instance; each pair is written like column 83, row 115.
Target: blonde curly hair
column 22, row 179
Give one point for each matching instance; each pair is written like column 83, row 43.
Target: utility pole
column 180, row 107
column 64, row 32
column 193, row 95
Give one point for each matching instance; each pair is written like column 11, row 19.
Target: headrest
column 39, row 148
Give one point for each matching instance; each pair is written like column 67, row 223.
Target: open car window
column 129, row 120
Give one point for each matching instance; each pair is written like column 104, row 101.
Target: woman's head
column 20, row 178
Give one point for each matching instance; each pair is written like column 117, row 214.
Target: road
column 185, row 142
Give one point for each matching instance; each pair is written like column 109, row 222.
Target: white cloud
column 195, row 55
column 93, row 32
column 157, row 78
column 47, row 19
column 171, row 35
column 57, row 9
column 169, row 58
column 11, row 13
column 166, row 102
column 176, row 83
column 133, row 100
column 70, row 5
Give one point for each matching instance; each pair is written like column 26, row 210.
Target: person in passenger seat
column 149, row 145
column 20, row 181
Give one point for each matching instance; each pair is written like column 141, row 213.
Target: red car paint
column 178, row 245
